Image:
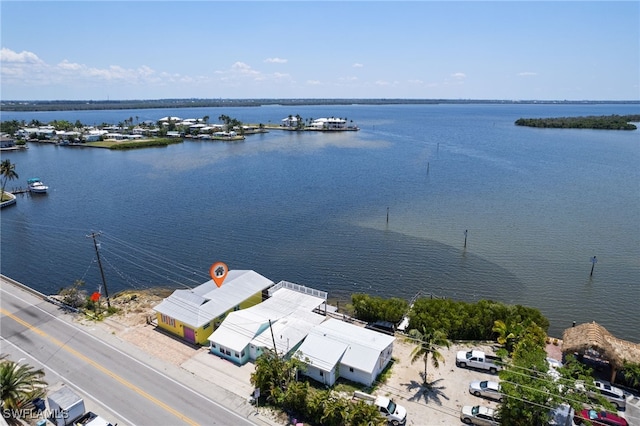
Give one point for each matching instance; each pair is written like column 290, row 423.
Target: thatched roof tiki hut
column 592, row 337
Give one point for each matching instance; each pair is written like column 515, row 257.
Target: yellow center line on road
column 109, row 373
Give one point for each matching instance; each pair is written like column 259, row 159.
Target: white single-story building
column 283, row 320
column 339, row 349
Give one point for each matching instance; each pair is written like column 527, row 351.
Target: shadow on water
column 344, row 260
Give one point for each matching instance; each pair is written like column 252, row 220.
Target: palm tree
column 429, row 341
column 508, row 334
column 8, row 172
column 20, row 384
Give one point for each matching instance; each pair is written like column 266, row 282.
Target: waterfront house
column 194, row 314
column 279, row 324
column 290, row 122
column 6, row 141
column 339, row 349
column 329, row 124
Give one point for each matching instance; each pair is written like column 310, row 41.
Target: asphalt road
column 129, row 390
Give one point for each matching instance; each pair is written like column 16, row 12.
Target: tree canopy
column 470, row 321
column 605, row 122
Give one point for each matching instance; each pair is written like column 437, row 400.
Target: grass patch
column 143, row 143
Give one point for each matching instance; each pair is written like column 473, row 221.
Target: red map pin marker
column 218, row 272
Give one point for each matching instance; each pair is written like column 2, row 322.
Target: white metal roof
column 238, row 329
column 321, row 352
column 288, row 331
column 362, row 346
column 206, row 302
column 291, row 316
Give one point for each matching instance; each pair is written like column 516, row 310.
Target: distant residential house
column 283, row 320
column 47, row 131
column 194, row 314
column 166, row 120
column 329, row 124
column 67, row 135
column 94, row 135
column 336, row 349
column 7, row 142
column 290, row 122
column 210, row 128
column 114, row 136
column 26, row 132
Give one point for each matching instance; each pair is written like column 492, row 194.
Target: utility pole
column 275, row 348
column 104, row 282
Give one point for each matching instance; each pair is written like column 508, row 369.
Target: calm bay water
column 312, row 208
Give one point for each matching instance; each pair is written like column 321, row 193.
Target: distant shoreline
column 83, row 105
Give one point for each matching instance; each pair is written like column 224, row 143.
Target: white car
column 611, row 393
column 486, row 389
column 479, row 415
column 600, row 388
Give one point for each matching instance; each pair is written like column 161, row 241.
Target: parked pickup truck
column 394, row 413
column 91, row 419
column 478, row 359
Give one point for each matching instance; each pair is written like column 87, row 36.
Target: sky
column 514, row 50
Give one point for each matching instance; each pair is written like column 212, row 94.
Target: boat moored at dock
column 36, row 186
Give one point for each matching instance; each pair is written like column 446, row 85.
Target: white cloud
column 276, row 61
column 314, row 82
column 242, row 68
column 357, row 65
column 527, row 74
column 66, row 65
column 382, row 83
column 8, row 56
column 459, row 75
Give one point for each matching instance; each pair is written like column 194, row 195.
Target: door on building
column 189, row 334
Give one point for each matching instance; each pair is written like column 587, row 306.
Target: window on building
column 321, row 373
column 168, row 320
column 237, row 355
column 207, row 325
column 351, row 369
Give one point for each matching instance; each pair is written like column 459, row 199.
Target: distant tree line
column 605, row 122
column 79, row 105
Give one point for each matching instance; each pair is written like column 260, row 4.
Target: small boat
column 36, row 186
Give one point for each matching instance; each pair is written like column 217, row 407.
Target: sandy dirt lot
column 447, row 390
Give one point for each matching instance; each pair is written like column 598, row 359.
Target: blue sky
column 86, row 50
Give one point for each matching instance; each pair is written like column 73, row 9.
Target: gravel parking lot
column 441, row 402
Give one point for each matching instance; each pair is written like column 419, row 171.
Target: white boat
column 36, row 186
